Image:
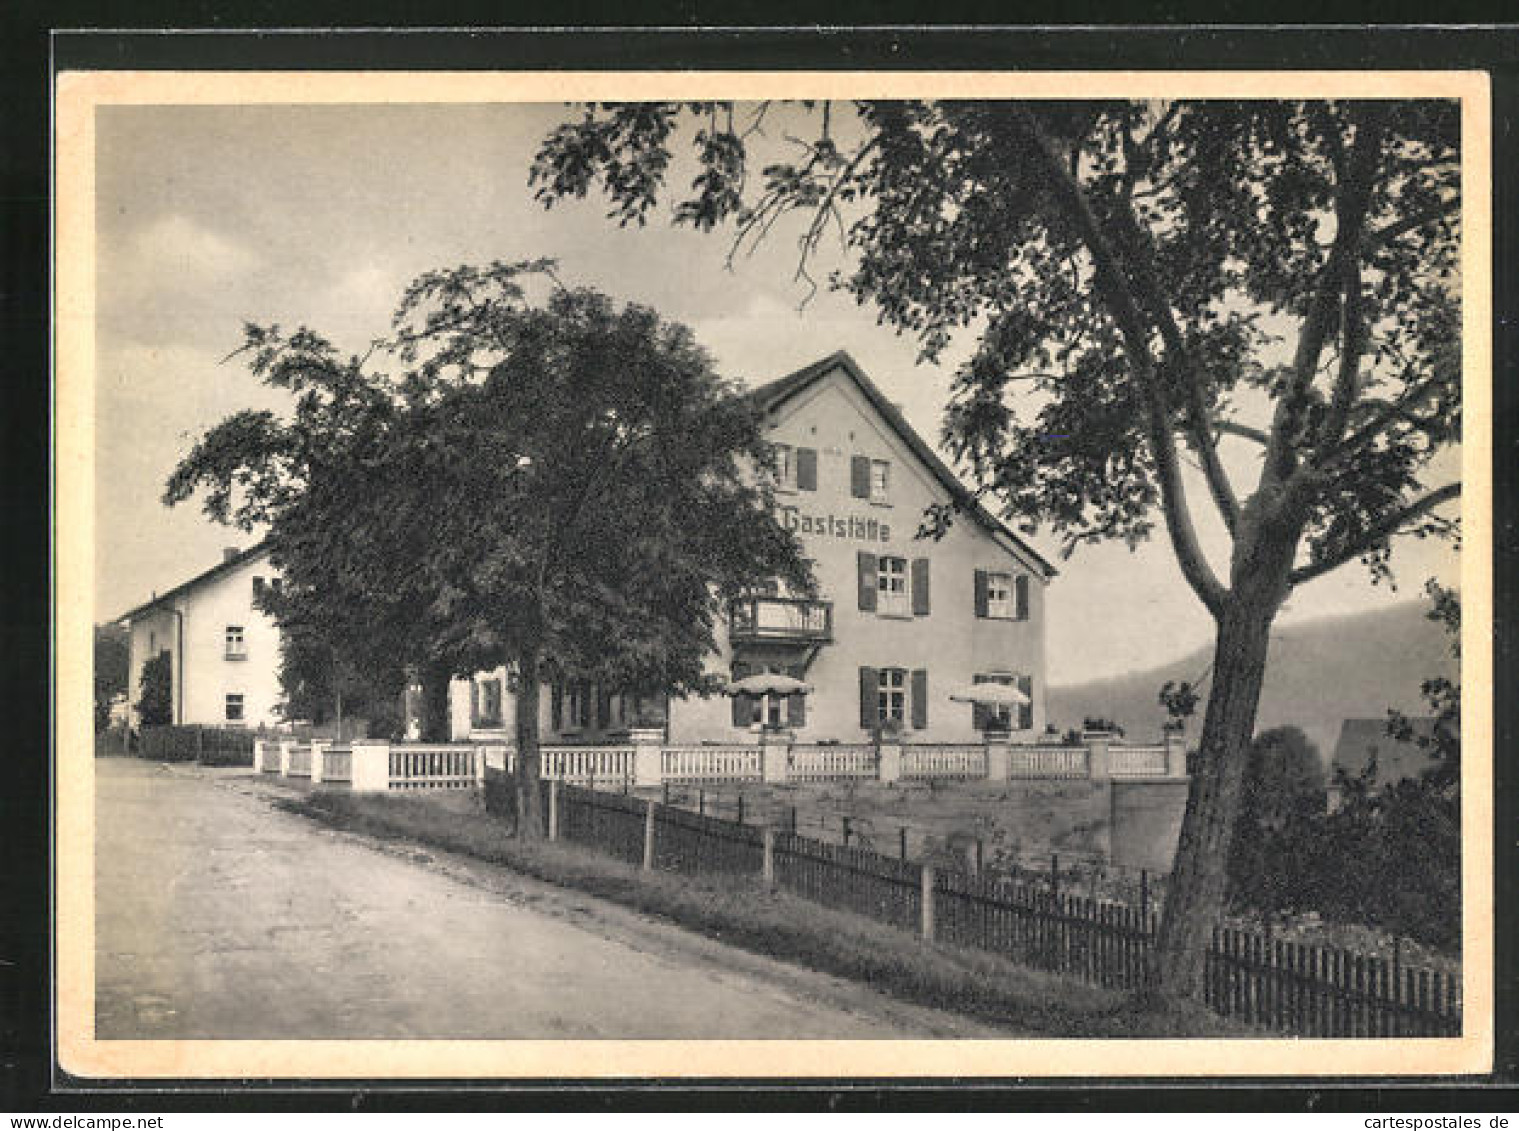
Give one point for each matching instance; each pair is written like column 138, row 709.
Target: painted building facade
column 223, row 651
column 898, row 622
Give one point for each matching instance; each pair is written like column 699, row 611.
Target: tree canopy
column 567, row 487
column 1145, row 282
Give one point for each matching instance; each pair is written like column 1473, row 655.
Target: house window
column 234, row 709
column 994, row 716
column 577, row 706
column 258, row 587
column 490, row 703
column 785, row 467
column 880, row 480
column 999, row 595
column 236, row 647
column 891, row 587
column 893, row 695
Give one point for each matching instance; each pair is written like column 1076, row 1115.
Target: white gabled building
column 899, row 622
column 224, row 653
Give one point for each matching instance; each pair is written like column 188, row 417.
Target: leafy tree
column 1271, row 859
column 112, row 657
column 1443, row 742
column 155, row 695
column 567, row 487
column 1131, row 269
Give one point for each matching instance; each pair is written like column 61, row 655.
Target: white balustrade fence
column 416, row 767
column 380, row 766
column 711, row 763
column 945, row 760
column 1047, row 762
column 584, row 764
column 1139, row 761
column 832, row 762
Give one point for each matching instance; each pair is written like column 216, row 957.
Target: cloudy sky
column 211, row 216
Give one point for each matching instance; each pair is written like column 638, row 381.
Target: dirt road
column 220, row 916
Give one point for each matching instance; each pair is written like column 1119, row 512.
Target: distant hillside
column 1318, row 674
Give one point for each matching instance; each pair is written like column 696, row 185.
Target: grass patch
column 741, row 912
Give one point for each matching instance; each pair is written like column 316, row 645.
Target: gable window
column 236, row 647
column 891, row 587
column 234, row 707
column 258, row 587
column 880, row 480
column 1001, row 595
column 785, row 467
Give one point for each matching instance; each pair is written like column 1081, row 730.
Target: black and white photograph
column 749, row 575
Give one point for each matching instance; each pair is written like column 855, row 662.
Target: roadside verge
column 742, row 912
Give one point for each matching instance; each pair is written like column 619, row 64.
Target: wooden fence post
column 768, row 839
column 648, row 836
column 554, row 809
column 928, row 903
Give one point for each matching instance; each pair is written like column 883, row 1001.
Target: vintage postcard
column 759, row 576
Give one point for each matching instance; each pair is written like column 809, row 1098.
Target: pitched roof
column 1396, row 759
column 221, row 567
column 773, row 395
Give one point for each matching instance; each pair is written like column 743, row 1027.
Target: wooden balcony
column 785, row 619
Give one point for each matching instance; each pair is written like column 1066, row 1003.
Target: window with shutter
column 920, row 587
column 892, row 699
column 859, row 476
column 1020, row 598
column 866, row 568
column 807, row 469
column 796, row 705
column 870, row 698
column 920, row 699
column 891, row 586
column 981, row 593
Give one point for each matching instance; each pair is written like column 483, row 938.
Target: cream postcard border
column 78, row 94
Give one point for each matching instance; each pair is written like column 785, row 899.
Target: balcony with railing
column 786, row 619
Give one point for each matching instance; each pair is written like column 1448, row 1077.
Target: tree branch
column 1234, row 428
column 1376, row 535
column 1352, row 201
column 1389, row 232
column 1125, row 310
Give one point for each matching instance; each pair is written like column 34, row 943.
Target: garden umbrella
column 768, row 683
column 989, row 694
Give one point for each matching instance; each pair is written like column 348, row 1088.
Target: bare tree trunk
column 529, row 815
column 1195, row 900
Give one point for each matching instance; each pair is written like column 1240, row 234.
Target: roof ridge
column 773, row 394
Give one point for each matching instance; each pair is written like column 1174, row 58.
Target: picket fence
column 1270, row 983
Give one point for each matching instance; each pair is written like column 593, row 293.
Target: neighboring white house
column 899, row 622
column 223, row 652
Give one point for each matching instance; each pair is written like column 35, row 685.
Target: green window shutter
column 806, row 469
column 919, row 698
column 920, row 587
column 981, row 593
column 866, row 567
column 859, row 476
column 1026, row 710
column 870, row 698
column 1020, row 597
